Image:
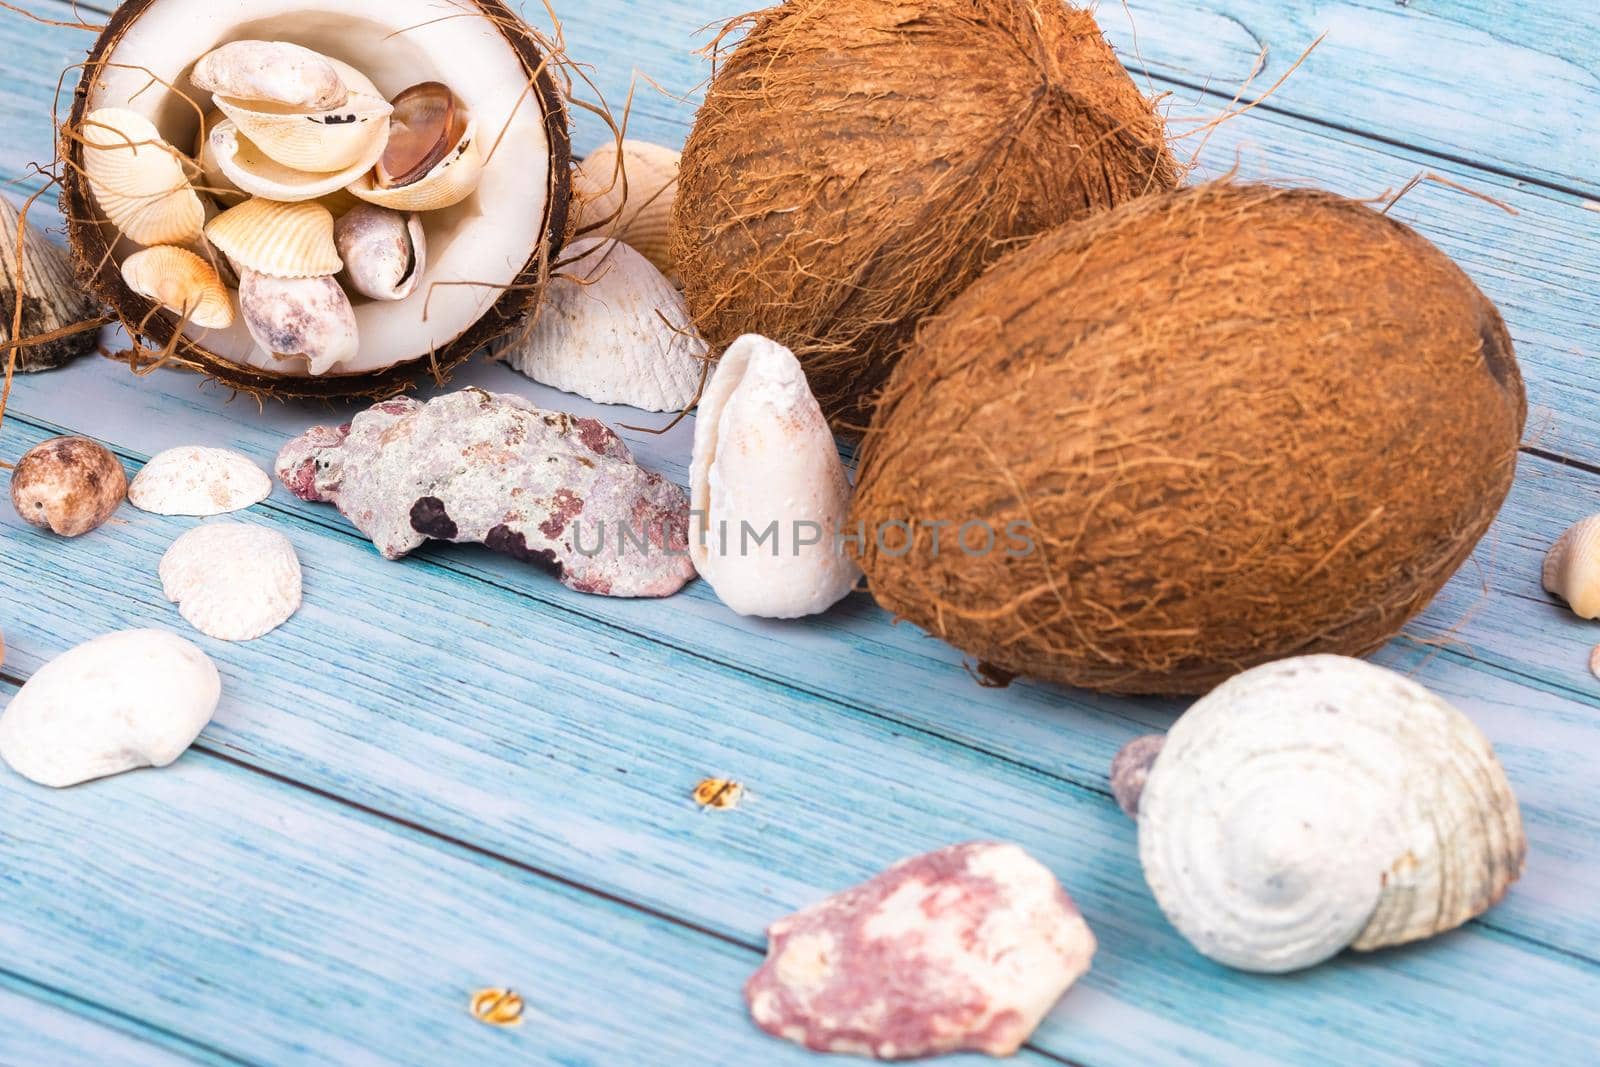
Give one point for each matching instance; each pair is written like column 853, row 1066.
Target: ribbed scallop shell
column 200, row 481
column 242, row 163
column 642, row 217
column 1572, row 568
column 139, row 180
column 316, row 143
column 272, row 71
column 277, row 239
column 231, row 581
column 1321, row 803
column 182, row 282
column 446, row 185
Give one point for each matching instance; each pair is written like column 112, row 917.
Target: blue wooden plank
column 41, row 1027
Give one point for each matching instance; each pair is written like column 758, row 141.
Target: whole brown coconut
column 857, row 163
column 1209, row 429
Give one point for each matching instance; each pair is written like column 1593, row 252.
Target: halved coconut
column 499, row 240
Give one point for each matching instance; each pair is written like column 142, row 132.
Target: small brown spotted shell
column 69, row 485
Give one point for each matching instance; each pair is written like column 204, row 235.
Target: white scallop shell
column 763, row 455
column 614, row 330
column 139, row 180
column 636, row 196
column 231, row 581
column 271, row 71
column 277, row 239
column 201, row 481
column 1321, row 803
column 182, row 282
column 1572, row 568
column 243, row 164
column 136, row 698
column 385, row 253
column 300, row 319
column 451, row 181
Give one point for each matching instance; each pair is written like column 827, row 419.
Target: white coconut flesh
column 487, row 239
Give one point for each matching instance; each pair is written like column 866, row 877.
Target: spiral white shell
column 1322, row 803
column 231, row 581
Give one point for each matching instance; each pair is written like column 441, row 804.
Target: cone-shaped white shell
column 385, row 253
column 305, row 320
column 195, row 480
column 637, row 196
column 231, row 581
column 451, row 181
column 614, row 330
column 764, row 458
column 271, row 71
column 1321, row 803
column 139, row 179
column 1572, row 568
column 137, row 698
column 182, row 282
column 242, row 163
column 278, row 240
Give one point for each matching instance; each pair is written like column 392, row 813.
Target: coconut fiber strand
column 1241, row 423
column 857, row 163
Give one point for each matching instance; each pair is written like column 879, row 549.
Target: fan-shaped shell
column 1320, row 803
column 636, row 196
column 278, row 240
column 614, row 330
column 302, row 319
column 201, row 481
column 182, row 282
column 1572, row 568
column 451, row 181
column 385, row 253
column 272, row 72
column 242, row 164
column 316, row 143
column 231, row 581
column 136, row 698
column 139, row 179
column 764, row 457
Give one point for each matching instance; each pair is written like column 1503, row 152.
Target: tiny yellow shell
column 278, row 240
column 178, row 279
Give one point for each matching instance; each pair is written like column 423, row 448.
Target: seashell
column 636, row 197
column 276, row 239
column 543, row 487
column 52, row 300
column 385, row 253
column 300, row 318
column 271, row 71
column 316, row 143
column 614, row 330
column 182, row 282
column 245, row 165
column 764, row 457
column 214, row 182
column 139, row 179
column 451, row 181
column 200, row 481
column 135, row 698
column 1322, row 803
column 1131, row 769
column 231, row 581
column 426, row 124
column 1572, row 568
column 68, row 485
column 964, row 949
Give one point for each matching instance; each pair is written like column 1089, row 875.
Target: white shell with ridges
column 613, row 330
column 136, row 698
column 1572, row 568
column 182, row 282
column 231, row 581
column 763, row 455
column 201, row 481
column 1323, row 803
column 636, row 196
column 243, row 163
column 451, row 181
column 278, row 240
column 139, row 180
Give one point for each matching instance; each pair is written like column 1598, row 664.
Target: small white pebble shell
column 200, row 481
column 136, row 698
column 231, row 581
column 1572, row 568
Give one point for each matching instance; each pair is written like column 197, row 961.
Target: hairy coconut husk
column 857, row 163
column 94, row 242
column 1239, row 423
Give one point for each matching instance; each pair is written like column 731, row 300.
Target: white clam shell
column 763, row 455
column 139, row 180
column 136, row 698
column 272, row 71
column 636, row 195
column 245, row 165
column 213, row 181
column 231, row 581
column 182, row 282
column 277, row 239
column 385, row 253
column 1572, row 568
column 451, row 181
column 200, row 481
column 1323, row 803
column 308, row 319
column 352, row 137
column 614, row 330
